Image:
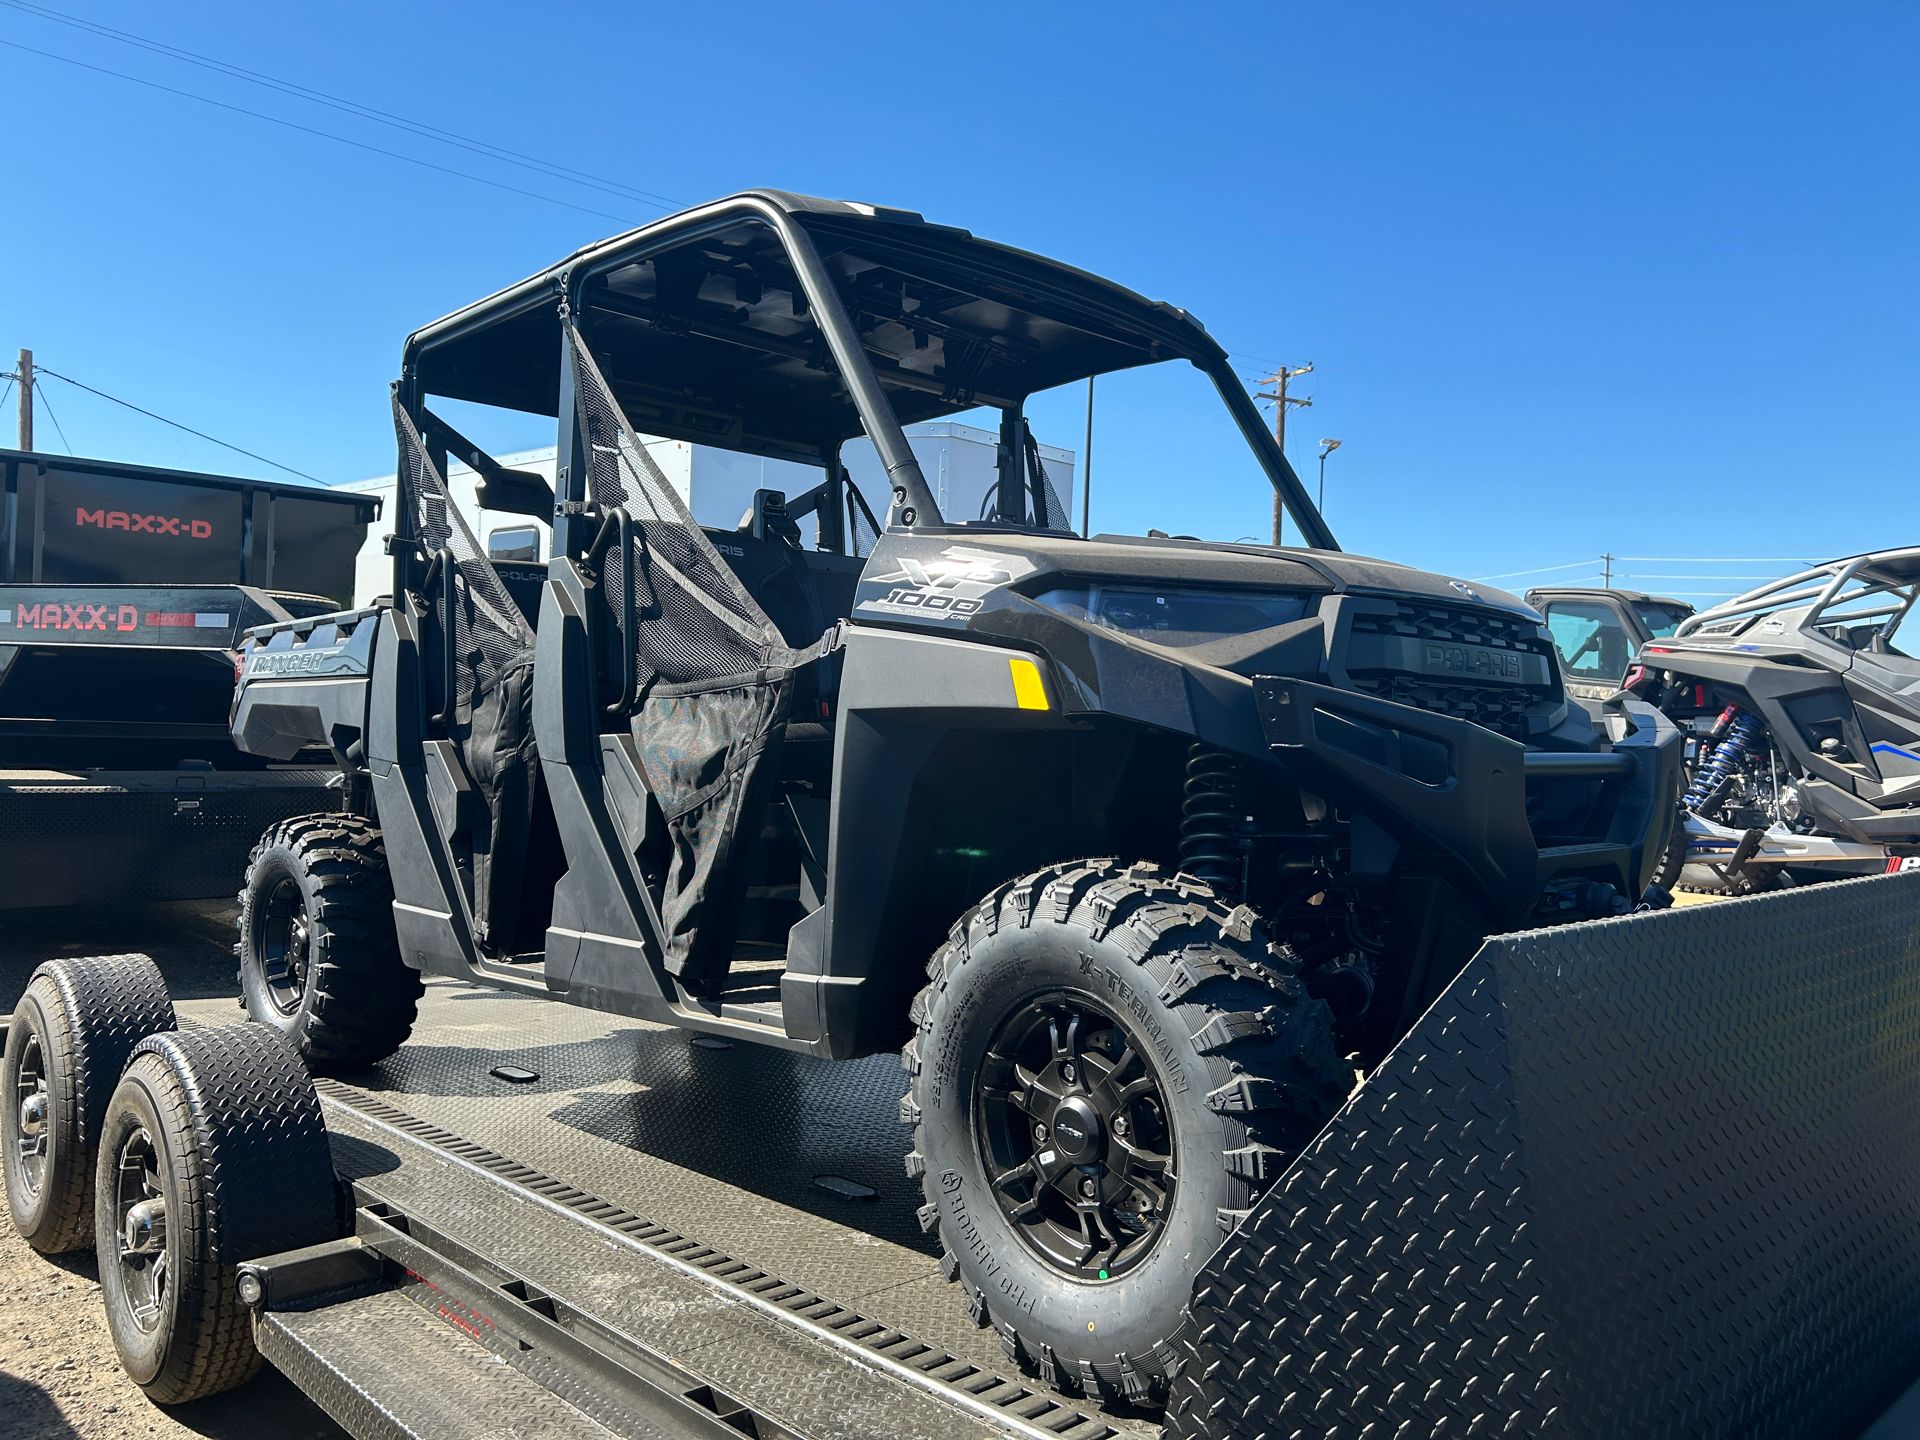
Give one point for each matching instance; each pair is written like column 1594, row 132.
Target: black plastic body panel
column 1797, row 702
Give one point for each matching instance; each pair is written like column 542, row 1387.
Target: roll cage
column 1858, row 601
column 858, row 321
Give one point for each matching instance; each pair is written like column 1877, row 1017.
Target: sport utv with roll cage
column 731, row 781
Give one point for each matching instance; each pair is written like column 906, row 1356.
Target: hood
column 946, row 574
column 1281, row 566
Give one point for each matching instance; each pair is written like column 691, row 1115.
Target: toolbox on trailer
column 124, row 591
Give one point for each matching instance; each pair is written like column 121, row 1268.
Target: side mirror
column 517, row 492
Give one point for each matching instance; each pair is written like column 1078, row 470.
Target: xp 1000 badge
column 951, row 584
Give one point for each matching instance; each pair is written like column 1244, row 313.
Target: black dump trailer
column 124, row 591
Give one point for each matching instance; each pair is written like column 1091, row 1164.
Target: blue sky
column 1634, row 277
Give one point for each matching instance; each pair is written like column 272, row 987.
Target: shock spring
column 1710, row 785
column 1214, row 821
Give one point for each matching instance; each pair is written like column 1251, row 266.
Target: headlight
column 1174, row 617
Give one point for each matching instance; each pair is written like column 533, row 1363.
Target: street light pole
column 1327, row 447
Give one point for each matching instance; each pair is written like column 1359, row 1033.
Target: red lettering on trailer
column 81, row 615
column 132, row 521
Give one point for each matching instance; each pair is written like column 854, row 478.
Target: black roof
column 1637, row 597
column 84, row 465
column 699, row 325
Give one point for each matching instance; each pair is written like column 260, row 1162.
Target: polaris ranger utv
column 740, row 784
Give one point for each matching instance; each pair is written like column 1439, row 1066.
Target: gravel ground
column 58, row 1373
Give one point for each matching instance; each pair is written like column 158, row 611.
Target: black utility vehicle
column 1801, row 703
column 734, row 783
column 1598, row 632
column 124, row 591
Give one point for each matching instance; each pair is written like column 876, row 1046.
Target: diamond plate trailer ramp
column 481, row 1296
column 1647, row 1177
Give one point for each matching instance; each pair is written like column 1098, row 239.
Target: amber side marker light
column 1029, row 690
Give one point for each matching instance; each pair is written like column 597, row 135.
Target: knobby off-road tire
column 1197, row 1068
column 319, row 956
column 1674, row 858
column 68, row 1041
column 217, row 1133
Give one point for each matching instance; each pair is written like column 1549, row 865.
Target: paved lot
column 58, row 1373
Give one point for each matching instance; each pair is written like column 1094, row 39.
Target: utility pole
column 1281, row 400
column 1606, row 571
column 26, row 399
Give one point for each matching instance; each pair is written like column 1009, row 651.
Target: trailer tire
column 319, row 955
column 1128, row 982
column 217, row 1134
column 68, row 1041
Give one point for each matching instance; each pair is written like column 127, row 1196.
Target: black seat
column 524, row 580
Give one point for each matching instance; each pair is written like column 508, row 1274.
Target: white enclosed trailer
column 718, row 486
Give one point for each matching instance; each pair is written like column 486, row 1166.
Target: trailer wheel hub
column 141, row 1204
column 30, row 1097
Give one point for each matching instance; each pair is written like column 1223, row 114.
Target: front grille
column 1497, row 708
column 1502, row 706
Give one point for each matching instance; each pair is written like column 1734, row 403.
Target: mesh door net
column 488, row 711
column 712, row 683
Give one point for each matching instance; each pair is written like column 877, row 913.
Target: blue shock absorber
column 1743, row 741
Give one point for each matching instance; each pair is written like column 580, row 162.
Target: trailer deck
column 663, row 1249
column 572, row 1224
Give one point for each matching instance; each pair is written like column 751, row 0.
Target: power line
column 47, row 405
column 350, row 107
column 1541, row 570
column 128, row 404
column 484, row 148
column 1713, row 559
column 323, row 134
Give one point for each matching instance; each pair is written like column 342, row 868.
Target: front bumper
column 1461, row 793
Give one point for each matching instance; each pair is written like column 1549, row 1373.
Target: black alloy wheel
column 1075, row 1130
